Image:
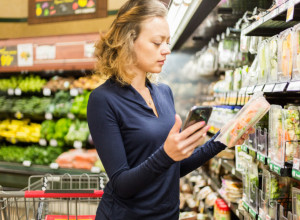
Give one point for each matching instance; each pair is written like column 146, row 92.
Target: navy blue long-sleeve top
column 129, row 137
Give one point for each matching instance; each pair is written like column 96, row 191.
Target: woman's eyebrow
column 162, row 36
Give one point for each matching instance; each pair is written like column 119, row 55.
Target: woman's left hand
column 245, row 136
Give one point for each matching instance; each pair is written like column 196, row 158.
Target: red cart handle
column 64, row 194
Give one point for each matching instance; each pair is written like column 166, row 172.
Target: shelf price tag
column 296, row 174
column 74, row 92
column 269, row 87
column 279, row 87
column 49, row 116
column 95, row 170
column 18, row 115
column 10, row 91
column 46, row 92
column 293, row 86
column 77, row 144
column 290, row 10
column 43, row 142
column 258, row 88
column 53, row 142
column 26, row 163
column 250, row 89
column 71, row 115
column 54, row 166
column 18, row 91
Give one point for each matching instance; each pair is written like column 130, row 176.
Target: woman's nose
column 165, row 49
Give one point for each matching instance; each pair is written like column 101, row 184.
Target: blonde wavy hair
column 114, row 51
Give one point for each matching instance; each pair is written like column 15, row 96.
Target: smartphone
column 196, row 114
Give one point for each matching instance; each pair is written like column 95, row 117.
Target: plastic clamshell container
column 237, row 79
column 263, row 62
column 296, row 53
column 245, row 76
column 285, row 55
column 273, row 57
column 247, row 117
column 253, row 72
column 253, row 185
column 276, row 151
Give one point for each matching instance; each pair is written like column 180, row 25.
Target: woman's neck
column 139, row 81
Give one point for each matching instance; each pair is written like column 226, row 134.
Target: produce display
column 30, row 83
column 78, row 131
column 61, row 129
column 35, row 154
column 285, row 54
column 79, row 159
column 47, row 130
column 88, row 82
column 60, row 105
column 20, row 130
column 59, row 83
column 79, row 105
column 248, row 116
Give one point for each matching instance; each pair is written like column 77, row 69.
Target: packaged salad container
column 285, row 55
column 253, row 72
column 247, row 117
column 296, row 53
column 273, row 57
column 284, row 134
column 237, row 79
column 263, row 62
column 253, row 185
column 245, row 76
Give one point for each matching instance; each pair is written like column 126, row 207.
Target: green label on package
column 261, row 158
column 259, row 218
column 269, row 160
column 252, row 213
column 246, row 206
column 244, row 148
column 275, row 168
column 296, row 174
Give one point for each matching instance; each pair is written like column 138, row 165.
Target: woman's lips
column 161, row 62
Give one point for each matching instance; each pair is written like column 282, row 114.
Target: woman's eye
column 157, row 44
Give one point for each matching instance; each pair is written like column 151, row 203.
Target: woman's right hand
column 181, row 145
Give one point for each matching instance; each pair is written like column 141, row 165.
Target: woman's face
column 152, row 45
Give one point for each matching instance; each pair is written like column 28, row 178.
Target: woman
column 133, row 121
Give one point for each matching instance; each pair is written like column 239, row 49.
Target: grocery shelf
column 274, row 22
column 216, row 185
column 16, row 175
column 230, row 166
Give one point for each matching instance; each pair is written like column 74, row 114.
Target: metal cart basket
column 54, row 197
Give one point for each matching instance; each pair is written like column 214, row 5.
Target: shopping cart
column 54, row 197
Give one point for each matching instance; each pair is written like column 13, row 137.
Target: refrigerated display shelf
column 275, row 21
column 16, row 174
column 216, row 185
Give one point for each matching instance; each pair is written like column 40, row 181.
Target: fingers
column 195, row 137
column 177, row 125
column 191, row 129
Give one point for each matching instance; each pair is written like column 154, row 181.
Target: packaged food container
column 285, row 55
column 229, row 80
column 253, row 185
column 253, row 72
column 237, row 79
column 296, row 53
column 263, row 62
column 247, row 117
column 284, row 133
column 245, row 76
column 273, row 57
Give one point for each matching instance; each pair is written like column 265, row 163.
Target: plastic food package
column 263, row 62
column 296, row 53
column 253, row 72
column 245, row 76
column 237, row 79
column 285, row 55
column 273, row 57
column 229, row 80
column 248, row 116
column 284, row 134
column 253, row 185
